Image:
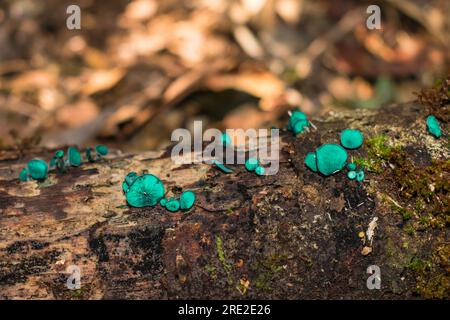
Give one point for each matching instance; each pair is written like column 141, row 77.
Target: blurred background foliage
column 139, row 69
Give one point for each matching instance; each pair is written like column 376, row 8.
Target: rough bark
column 293, row 235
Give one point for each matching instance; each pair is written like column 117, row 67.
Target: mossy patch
column 378, row 151
column 267, row 269
column 422, row 201
column 223, row 260
column 211, row 270
column 424, row 189
column 432, row 274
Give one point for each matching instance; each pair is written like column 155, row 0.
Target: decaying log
column 293, row 235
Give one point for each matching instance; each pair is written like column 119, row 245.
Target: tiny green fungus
column 360, row 175
column 225, row 139
column 351, row 166
column 163, row 202
column 351, row 175
column 52, row 162
column 74, row 156
column 296, row 116
column 297, row 122
column 173, row 205
column 260, row 171
column 23, row 176
column 299, row 126
column 146, row 190
column 351, row 139
column 222, row 167
column 331, row 158
column 59, row 154
column 433, row 126
column 311, row 161
column 102, row 150
column 187, row 200
column 251, row 164
column 37, row 169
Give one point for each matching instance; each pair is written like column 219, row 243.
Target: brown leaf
column 101, row 80
column 259, row 84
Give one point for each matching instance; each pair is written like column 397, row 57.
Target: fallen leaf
column 35, row 79
column 259, row 84
column 141, row 10
column 101, row 80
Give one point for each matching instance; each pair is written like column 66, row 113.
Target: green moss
column 221, row 254
column 223, row 260
column 77, row 294
column 267, row 269
column 409, row 230
column 405, row 213
column 418, row 265
column 422, row 201
column 211, row 270
column 424, row 188
column 431, row 274
column 378, row 151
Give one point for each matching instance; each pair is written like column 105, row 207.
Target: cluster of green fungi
column 331, row 158
column 353, row 173
column 298, row 122
column 37, row 169
column 253, row 164
column 147, row 190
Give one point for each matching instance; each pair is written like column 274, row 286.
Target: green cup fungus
column 23, row 176
column 146, row 190
column 330, row 158
column 173, row 205
column 251, row 164
column 37, row 169
column 351, row 166
column 298, row 121
column 52, row 162
column 225, row 139
column 101, row 150
column 57, row 160
column 351, row 138
column 433, row 126
column 311, row 161
column 187, row 200
column 260, row 171
column 74, row 156
column 360, row 175
column 163, row 202
column 59, row 154
column 351, row 174
column 221, row 166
